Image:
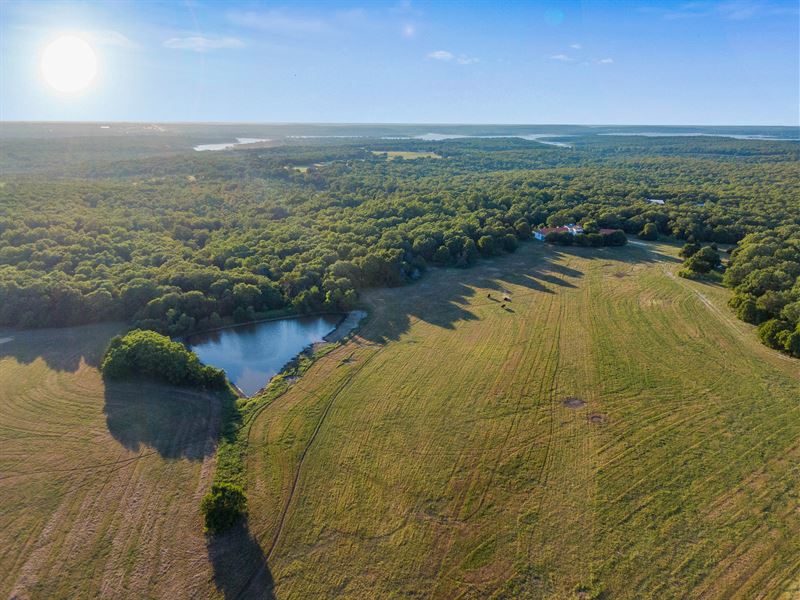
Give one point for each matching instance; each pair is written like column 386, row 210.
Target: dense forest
column 190, row 240
column 765, row 275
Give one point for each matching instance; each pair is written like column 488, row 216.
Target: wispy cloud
column 276, row 20
column 575, row 46
column 109, row 37
column 445, row 56
column 409, row 30
column 199, row 43
column 732, row 10
column 441, row 55
column 405, row 7
column 604, row 61
column 562, row 58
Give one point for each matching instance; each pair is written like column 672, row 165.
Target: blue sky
column 731, row 62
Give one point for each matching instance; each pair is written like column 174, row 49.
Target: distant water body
column 736, row 136
column 225, row 146
column 442, row 137
column 552, row 135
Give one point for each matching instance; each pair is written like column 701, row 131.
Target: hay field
column 612, row 431
column 100, row 485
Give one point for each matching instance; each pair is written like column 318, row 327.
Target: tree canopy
column 149, row 354
column 189, row 241
column 764, row 273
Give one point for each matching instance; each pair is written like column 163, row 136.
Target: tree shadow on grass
column 447, row 296
column 176, row 422
column 62, row 349
column 240, row 565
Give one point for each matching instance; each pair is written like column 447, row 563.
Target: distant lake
column 252, row 354
column 736, row 136
column 226, row 145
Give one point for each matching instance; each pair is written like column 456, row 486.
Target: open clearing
column 433, row 455
column 100, row 485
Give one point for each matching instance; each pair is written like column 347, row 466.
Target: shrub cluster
column 699, row 261
column 223, row 506
column 141, row 353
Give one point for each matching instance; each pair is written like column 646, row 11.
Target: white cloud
column 409, row 30
column 275, row 20
column 575, row 46
column 108, row 37
column 605, row 61
column 199, row 43
column 441, row 55
column 562, row 57
column 445, row 56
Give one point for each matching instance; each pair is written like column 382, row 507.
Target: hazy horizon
column 404, row 123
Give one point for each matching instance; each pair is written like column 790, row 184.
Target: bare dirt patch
column 573, row 402
column 597, row 418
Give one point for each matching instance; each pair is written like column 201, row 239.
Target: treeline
column 199, row 240
column 764, row 273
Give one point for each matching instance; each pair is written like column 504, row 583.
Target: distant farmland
column 612, row 429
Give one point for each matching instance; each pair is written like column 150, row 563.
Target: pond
column 251, row 354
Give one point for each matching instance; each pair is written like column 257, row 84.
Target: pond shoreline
column 347, row 325
column 343, row 324
column 182, row 338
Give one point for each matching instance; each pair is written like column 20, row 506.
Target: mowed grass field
column 434, row 456
column 99, row 486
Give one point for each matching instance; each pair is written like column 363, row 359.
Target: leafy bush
column 223, row 506
column 617, row 238
column 689, row 249
column 703, row 261
column 649, row 232
column 141, row 353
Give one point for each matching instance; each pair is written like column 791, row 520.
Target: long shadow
column 240, row 566
column 62, row 349
column 446, row 301
column 445, row 305
column 175, row 422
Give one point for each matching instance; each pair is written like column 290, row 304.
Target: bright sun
column 69, row 64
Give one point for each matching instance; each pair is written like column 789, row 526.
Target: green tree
column 223, row 506
column 649, row 232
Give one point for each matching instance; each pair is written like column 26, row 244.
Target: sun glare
column 69, row 64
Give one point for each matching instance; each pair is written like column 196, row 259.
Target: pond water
column 251, row 354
